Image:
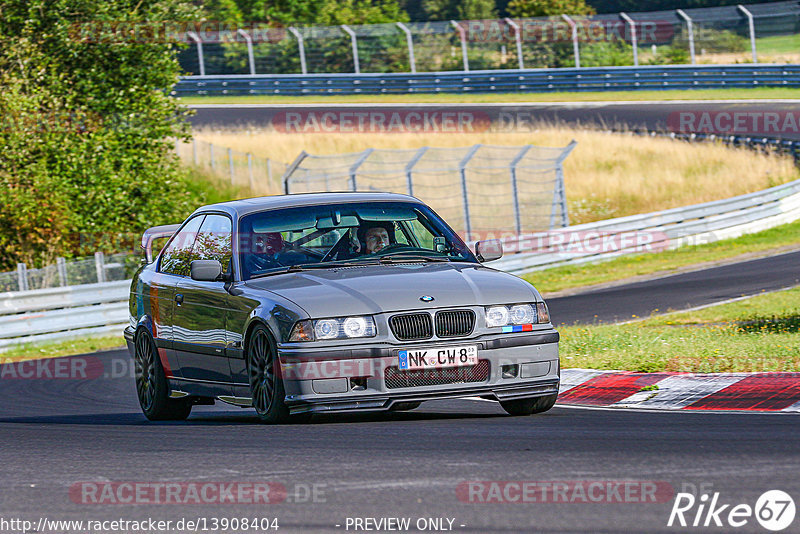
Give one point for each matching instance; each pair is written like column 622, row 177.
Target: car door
column 173, row 265
column 200, row 316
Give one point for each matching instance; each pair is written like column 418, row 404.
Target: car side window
column 214, row 241
column 177, row 256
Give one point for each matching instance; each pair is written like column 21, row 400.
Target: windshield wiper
column 306, row 267
column 401, row 257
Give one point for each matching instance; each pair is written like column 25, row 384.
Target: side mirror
column 206, row 270
column 489, row 250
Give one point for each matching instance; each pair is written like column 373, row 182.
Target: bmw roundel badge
column 426, row 298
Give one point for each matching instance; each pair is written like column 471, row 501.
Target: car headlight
column 517, row 315
column 334, row 328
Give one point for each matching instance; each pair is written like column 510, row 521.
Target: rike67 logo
column 774, row 510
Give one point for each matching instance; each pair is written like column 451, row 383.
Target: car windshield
column 334, row 234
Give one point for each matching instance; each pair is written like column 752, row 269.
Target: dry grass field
column 607, row 175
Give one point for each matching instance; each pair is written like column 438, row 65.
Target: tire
column 529, row 406
column 152, row 387
column 266, row 386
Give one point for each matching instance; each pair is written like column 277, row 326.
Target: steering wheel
column 394, row 246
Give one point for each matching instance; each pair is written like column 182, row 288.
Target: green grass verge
column 756, row 334
column 510, row 98
column 53, row 349
column 657, row 263
column 778, row 44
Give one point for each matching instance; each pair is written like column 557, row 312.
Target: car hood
column 376, row 289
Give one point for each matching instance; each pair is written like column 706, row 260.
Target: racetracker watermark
column 564, row 491
column 174, row 32
column 740, row 122
column 70, row 368
column 577, row 242
column 194, row 492
column 382, row 121
column 558, row 31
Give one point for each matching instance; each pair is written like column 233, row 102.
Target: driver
column 376, row 236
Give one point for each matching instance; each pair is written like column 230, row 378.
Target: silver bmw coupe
column 332, row 302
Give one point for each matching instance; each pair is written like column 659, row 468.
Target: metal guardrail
column 696, row 224
column 62, row 312
column 505, row 81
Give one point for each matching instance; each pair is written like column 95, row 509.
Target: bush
column 88, row 128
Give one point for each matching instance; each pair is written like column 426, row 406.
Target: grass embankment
column 755, row 334
column 607, row 175
column 55, row 349
column 568, row 277
column 504, row 98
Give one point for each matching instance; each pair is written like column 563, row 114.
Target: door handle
column 179, row 298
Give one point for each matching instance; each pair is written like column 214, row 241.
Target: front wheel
column 529, row 406
column 151, row 384
column 266, row 384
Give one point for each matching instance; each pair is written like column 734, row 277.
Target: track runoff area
column 697, row 453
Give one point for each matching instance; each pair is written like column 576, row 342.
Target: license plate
column 437, row 357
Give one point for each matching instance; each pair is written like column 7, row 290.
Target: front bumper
column 365, row 379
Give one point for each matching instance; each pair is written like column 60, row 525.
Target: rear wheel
column 529, row 406
column 151, row 384
column 266, row 384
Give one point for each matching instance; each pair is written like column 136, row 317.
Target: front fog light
column 496, row 316
column 522, row 314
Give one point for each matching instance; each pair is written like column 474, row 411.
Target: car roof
column 238, row 208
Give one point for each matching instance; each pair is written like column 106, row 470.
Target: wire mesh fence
column 261, row 175
column 482, row 190
column 721, row 35
column 97, row 269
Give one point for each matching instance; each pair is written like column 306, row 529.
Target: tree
column 88, row 124
column 547, row 8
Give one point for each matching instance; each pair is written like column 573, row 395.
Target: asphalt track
column 680, row 291
column 57, row 433
column 655, row 115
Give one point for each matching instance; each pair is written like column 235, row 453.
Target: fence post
column 354, row 45
column 515, row 189
column 560, row 193
column 752, row 28
column 250, row 56
column 230, row 164
column 410, row 166
column 518, row 39
column 290, row 170
column 462, row 167
column 61, row 267
column 301, row 47
column 356, row 165
column 410, row 43
column 690, row 30
column 250, row 169
column 22, row 276
column 211, row 155
column 575, row 47
column 634, row 40
column 200, row 59
column 100, row 266
column 463, row 36
column 194, row 151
